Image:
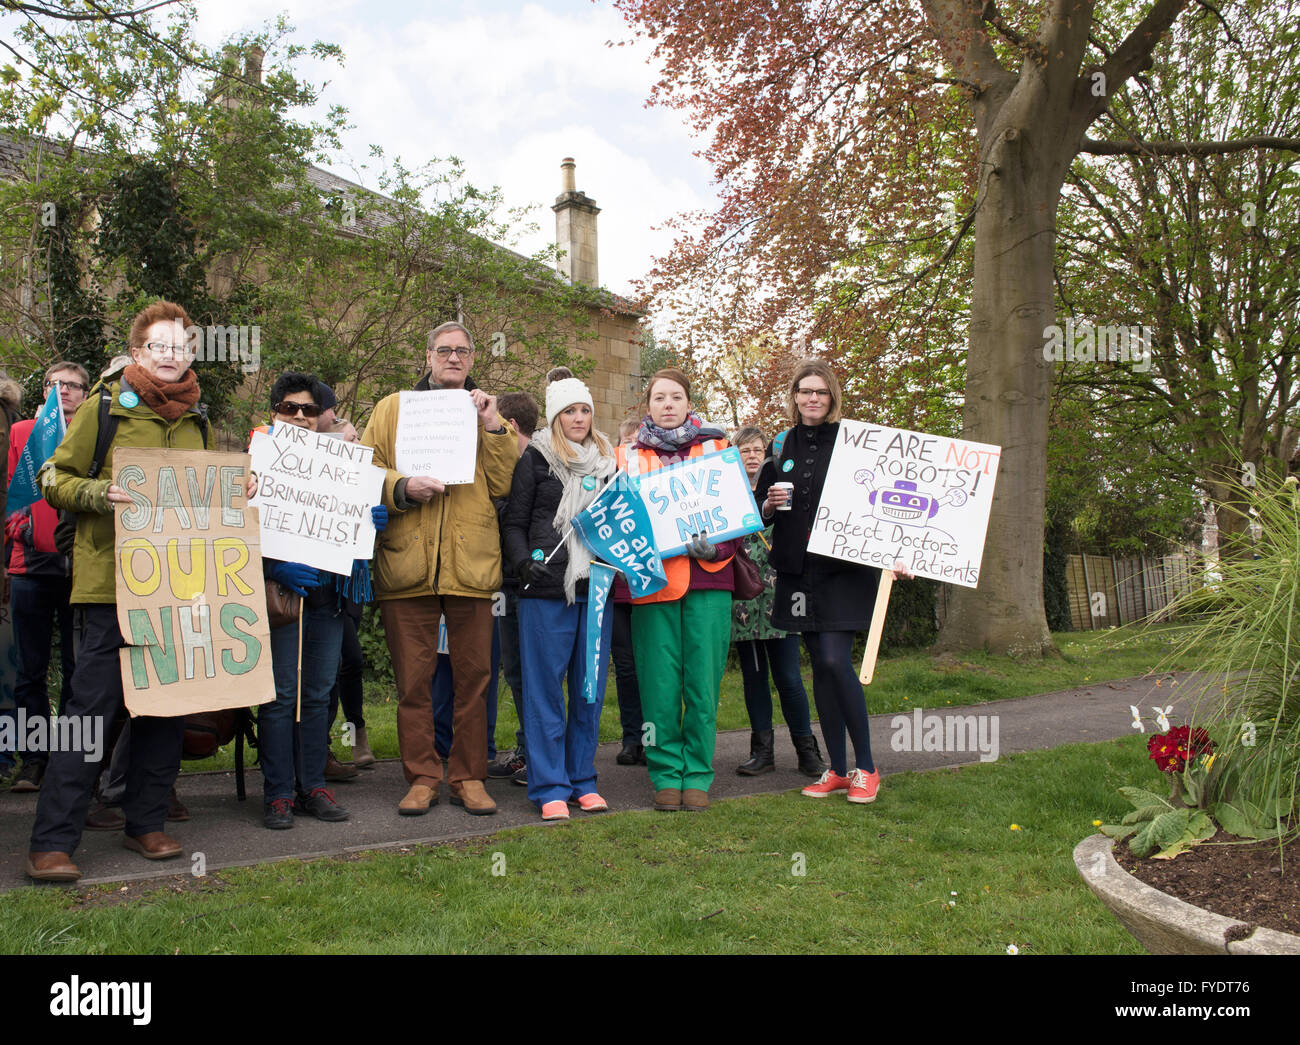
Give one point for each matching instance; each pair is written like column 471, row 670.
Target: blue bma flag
column 46, row 434
column 616, row 527
column 598, row 589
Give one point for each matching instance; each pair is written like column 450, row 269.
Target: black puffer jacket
column 528, row 525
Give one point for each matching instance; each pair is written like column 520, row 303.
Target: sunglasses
column 287, row 409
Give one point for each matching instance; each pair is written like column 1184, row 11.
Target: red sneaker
column 863, row 786
column 555, row 811
column 829, row 783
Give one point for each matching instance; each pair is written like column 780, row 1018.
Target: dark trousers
column 155, row 754
column 512, row 664
column 444, row 684
column 841, row 703
column 782, row 656
column 629, row 691
column 348, row 690
column 37, row 603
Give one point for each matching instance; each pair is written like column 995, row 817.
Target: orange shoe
column 829, row 783
column 863, row 786
column 592, row 803
column 555, row 811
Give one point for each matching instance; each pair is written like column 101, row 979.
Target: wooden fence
column 1106, row 591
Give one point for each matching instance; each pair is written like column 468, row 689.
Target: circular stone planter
column 1164, row 924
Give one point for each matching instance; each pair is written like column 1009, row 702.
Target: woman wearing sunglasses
column 298, row 754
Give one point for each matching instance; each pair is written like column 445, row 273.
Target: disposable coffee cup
column 789, row 488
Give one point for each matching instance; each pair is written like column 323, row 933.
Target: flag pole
column 877, row 627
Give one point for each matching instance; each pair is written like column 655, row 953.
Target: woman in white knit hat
column 558, row 475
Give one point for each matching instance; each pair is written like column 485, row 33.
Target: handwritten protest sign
column 437, row 435
column 891, row 494
column 190, row 598
column 708, row 494
column 314, row 494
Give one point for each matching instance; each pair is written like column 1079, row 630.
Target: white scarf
column 588, row 462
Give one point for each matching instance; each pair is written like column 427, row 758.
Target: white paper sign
column 894, row 495
column 709, row 494
column 437, row 435
column 315, row 492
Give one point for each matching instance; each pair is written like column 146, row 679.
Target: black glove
column 534, row 571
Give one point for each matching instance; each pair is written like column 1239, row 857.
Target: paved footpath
column 229, row 833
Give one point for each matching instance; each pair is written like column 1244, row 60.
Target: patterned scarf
column 168, row 399
column 577, row 494
column 657, row 438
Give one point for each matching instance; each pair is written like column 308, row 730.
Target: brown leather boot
column 668, row 800
column 693, row 799
column 336, row 770
column 104, row 818
column 154, row 845
column 418, row 801
column 52, row 867
column 474, row 797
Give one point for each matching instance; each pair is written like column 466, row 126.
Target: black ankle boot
column 810, row 755
column 761, row 758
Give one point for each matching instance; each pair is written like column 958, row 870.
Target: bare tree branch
column 1167, row 148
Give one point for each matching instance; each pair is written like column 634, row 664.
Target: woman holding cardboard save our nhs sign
column 827, row 600
column 681, row 633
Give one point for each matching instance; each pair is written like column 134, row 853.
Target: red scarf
column 168, row 399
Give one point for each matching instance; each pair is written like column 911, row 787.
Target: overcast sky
column 510, row 87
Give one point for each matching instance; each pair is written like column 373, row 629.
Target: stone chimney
column 575, row 230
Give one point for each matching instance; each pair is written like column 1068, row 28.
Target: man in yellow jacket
column 441, row 555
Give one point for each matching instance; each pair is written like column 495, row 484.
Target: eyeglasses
column 287, row 409
column 75, row 385
column 162, row 348
column 445, row 351
column 820, row 393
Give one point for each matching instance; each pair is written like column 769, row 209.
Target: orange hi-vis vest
column 678, row 568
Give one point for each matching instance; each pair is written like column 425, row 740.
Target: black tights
column 841, row 704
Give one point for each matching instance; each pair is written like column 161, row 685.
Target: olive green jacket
column 450, row 545
column 63, row 482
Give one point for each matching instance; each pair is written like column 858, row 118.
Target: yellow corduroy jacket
column 450, row 545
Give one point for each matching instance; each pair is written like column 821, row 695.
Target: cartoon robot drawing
column 902, row 503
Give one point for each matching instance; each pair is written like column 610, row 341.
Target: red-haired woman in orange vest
column 682, row 633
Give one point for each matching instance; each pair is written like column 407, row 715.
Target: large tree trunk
column 1008, row 385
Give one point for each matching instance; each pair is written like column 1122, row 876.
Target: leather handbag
column 282, row 605
column 746, row 580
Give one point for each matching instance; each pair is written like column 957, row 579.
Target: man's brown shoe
column 52, row 867
column 418, row 800
column 176, row 808
column 104, row 818
column 694, row 799
column 154, row 846
column 474, row 797
column 668, row 800
column 336, row 770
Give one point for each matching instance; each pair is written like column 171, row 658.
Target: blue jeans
column 782, row 655
column 443, row 702
column 37, row 603
column 290, row 750
column 553, row 647
column 512, row 665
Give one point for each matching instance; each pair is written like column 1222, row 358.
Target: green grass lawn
column 903, row 681
column 933, row 866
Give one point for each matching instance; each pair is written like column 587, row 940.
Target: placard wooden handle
column 877, row 627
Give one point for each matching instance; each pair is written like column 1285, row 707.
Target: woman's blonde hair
column 815, row 368
column 560, row 441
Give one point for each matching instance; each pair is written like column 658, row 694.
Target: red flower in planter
column 1170, row 751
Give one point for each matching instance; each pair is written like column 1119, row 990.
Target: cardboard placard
column 437, row 435
column 709, row 494
column 314, row 495
column 895, row 495
column 191, row 602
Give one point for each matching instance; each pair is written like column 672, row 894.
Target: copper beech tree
column 827, row 121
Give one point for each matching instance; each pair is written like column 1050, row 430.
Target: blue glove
column 379, row 516
column 296, row 577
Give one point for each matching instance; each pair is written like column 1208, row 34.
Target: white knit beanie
column 562, row 394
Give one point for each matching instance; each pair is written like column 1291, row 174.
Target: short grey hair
column 442, row 328
column 748, row 435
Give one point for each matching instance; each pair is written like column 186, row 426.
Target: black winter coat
column 528, row 525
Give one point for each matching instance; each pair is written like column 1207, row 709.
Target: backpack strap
column 778, row 444
column 107, row 429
